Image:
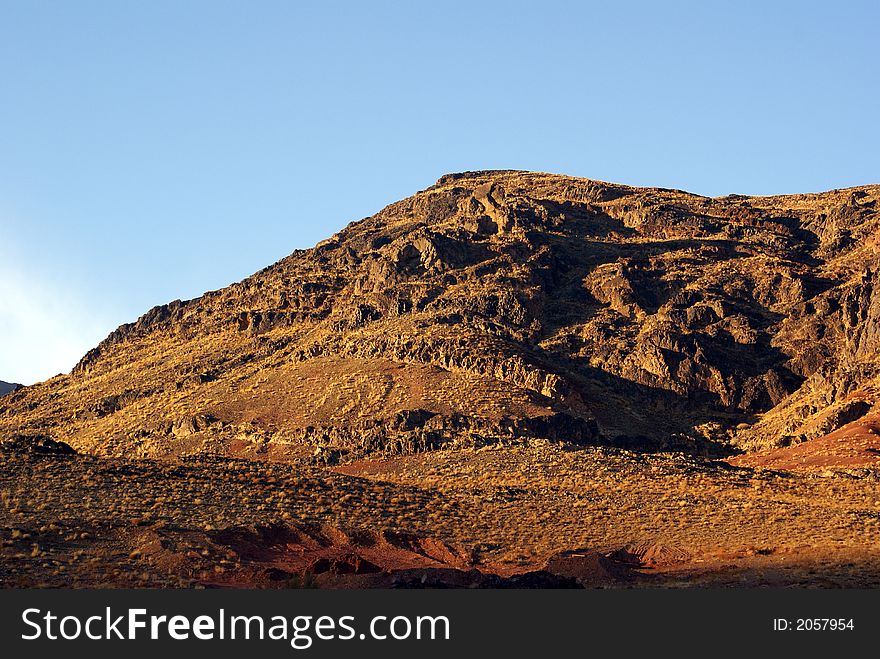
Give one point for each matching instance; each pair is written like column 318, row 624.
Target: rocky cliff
column 502, row 305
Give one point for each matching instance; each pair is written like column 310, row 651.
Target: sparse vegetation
column 509, row 365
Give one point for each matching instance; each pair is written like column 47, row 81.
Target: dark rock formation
column 6, row 387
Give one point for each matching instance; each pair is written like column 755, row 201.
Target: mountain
column 6, row 387
column 501, row 305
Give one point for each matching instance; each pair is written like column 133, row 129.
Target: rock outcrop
column 497, row 306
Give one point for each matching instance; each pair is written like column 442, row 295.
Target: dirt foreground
column 534, row 515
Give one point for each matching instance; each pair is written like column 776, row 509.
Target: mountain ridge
column 7, row 387
column 501, row 305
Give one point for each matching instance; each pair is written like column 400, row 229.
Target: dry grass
column 510, row 507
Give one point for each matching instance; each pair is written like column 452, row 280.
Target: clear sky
column 155, row 150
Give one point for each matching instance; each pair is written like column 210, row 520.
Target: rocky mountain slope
column 502, row 305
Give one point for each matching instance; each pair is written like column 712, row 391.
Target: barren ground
column 440, row 518
column 494, row 382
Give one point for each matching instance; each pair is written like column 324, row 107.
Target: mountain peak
column 500, row 304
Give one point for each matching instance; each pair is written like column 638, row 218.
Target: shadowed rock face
column 500, row 305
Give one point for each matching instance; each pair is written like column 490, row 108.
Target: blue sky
column 155, row 150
